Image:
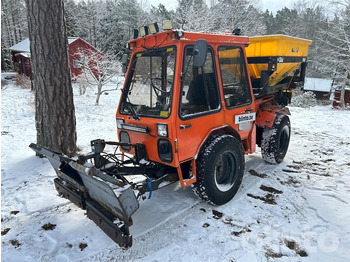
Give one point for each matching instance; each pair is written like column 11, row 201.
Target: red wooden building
column 336, row 101
column 21, row 55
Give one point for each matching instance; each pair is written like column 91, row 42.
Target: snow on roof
column 24, row 45
column 72, row 39
column 25, row 54
column 317, row 84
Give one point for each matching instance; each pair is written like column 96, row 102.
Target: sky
column 272, row 5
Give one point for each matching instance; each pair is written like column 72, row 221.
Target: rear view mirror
column 200, row 52
column 125, row 63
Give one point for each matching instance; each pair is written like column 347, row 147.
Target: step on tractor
column 192, row 106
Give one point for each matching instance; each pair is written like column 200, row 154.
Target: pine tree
column 55, row 114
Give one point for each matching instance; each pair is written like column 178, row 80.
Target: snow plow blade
column 108, row 204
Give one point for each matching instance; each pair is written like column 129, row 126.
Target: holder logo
column 245, row 118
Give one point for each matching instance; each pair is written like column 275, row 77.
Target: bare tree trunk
column 342, row 92
column 99, row 90
column 55, row 114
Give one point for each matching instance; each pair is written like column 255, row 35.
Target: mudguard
column 266, row 115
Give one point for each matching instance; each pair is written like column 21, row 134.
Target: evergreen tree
column 71, row 20
column 14, row 28
column 161, row 13
column 287, row 22
column 270, row 23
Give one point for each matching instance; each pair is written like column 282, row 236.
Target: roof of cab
column 165, row 38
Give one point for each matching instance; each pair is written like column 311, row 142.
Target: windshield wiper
column 129, row 105
column 133, row 112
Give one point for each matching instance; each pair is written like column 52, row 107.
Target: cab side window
column 235, row 82
column 199, row 86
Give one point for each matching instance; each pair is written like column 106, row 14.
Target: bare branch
column 98, row 68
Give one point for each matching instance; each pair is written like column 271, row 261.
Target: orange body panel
column 266, row 115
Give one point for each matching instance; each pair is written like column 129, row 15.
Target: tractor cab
column 178, row 86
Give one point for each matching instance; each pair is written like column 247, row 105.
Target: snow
column 24, row 46
column 308, row 222
column 317, row 84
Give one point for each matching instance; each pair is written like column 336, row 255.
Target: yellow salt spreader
column 276, row 62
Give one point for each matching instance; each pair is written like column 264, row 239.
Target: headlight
column 162, row 130
column 120, row 121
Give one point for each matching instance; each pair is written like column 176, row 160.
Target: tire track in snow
column 157, row 238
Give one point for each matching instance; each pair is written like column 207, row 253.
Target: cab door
column 199, row 104
column 237, row 94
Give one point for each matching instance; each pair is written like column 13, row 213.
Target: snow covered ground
column 295, row 211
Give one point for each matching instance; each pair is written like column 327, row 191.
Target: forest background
column 109, row 24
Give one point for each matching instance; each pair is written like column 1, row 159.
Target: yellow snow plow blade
column 283, row 54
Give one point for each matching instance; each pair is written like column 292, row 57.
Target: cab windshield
column 149, row 86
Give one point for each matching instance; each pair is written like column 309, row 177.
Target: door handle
column 249, row 110
column 185, row 126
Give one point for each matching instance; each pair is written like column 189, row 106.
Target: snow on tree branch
column 98, row 68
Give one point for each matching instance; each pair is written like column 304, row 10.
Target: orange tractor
column 192, row 105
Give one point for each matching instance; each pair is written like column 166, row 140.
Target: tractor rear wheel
column 220, row 168
column 275, row 140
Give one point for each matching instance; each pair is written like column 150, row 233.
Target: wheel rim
column 225, row 171
column 284, row 140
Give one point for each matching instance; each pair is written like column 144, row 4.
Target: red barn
column 21, row 55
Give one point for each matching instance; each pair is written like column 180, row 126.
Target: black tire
column 220, row 168
column 275, row 140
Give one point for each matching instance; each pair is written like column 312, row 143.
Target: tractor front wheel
column 220, row 168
